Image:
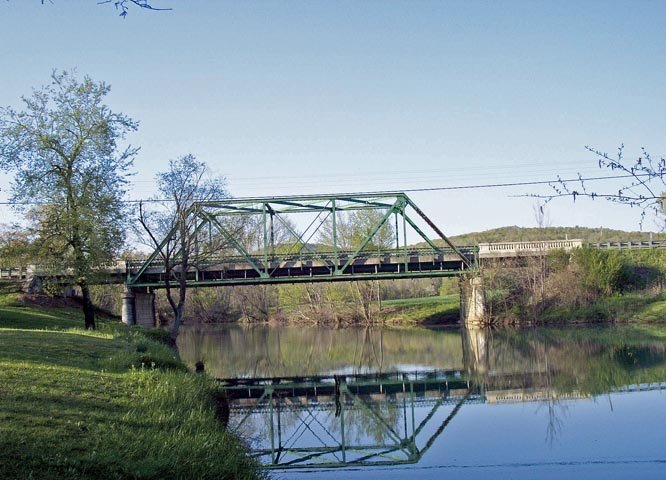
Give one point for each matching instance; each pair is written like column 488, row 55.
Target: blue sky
column 332, row 96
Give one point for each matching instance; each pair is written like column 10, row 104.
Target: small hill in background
column 522, row 234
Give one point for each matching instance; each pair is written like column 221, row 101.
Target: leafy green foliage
column 605, row 271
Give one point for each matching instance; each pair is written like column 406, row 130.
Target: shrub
column 604, row 271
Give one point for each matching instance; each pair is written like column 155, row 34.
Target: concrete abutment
column 138, row 308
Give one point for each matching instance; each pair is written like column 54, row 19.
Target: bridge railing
column 631, row 244
column 29, row 271
column 517, row 249
column 14, row 272
column 310, row 256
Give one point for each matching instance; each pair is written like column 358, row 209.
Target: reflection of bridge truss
column 257, row 241
column 313, row 422
column 369, row 419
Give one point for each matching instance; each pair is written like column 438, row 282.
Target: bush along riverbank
column 586, row 285
column 106, row 404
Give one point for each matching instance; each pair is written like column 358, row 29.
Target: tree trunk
column 88, row 307
column 177, row 320
column 177, row 308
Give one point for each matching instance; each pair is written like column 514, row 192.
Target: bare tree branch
column 122, row 5
column 645, row 188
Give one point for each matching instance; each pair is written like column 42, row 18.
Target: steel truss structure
column 257, row 241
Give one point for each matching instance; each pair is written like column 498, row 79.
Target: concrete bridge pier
column 138, row 308
column 472, row 302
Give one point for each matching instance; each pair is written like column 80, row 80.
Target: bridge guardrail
column 631, row 244
column 313, row 256
column 489, row 250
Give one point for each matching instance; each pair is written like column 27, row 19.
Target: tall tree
column 63, row 148
column 171, row 230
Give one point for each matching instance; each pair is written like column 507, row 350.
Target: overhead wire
column 407, row 190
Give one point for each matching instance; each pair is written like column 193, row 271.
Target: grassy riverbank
column 112, row 403
column 629, row 307
column 441, row 310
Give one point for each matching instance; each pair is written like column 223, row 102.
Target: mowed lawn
column 114, row 403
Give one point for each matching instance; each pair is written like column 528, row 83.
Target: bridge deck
column 314, row 267
column 320, row 266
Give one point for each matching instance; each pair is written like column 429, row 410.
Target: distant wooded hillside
column 520, row 234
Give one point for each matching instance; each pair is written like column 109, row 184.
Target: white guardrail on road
column 520, row 249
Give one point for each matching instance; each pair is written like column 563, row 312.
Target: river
column 313, row 402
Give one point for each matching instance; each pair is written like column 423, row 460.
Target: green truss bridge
column 294, row 239
column 257, row 241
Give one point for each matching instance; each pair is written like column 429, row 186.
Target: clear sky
column 289, row 97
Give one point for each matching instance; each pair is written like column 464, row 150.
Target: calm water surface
column 369, row 403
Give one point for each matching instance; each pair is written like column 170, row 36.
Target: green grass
column 426, row 311
column 114, row 403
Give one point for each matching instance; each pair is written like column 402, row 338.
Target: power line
column 407, row 190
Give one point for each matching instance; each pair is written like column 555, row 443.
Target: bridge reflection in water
column 346, row 420
column 369, row 420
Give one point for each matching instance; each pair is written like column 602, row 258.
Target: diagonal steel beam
column 399, row 203
column 420, row 232
column 444, row 424
column 236, row 245
column 438, row 231
column 158, row 250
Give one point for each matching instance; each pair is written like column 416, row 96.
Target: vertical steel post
column 263, row 208
column 404, row 239
column 335, row 238
column 279, row 425
column 404, row 409
column 272, row 235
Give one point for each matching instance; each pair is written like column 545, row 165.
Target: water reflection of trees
column 265, row 351
column 566, row 363
column 589, row 361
